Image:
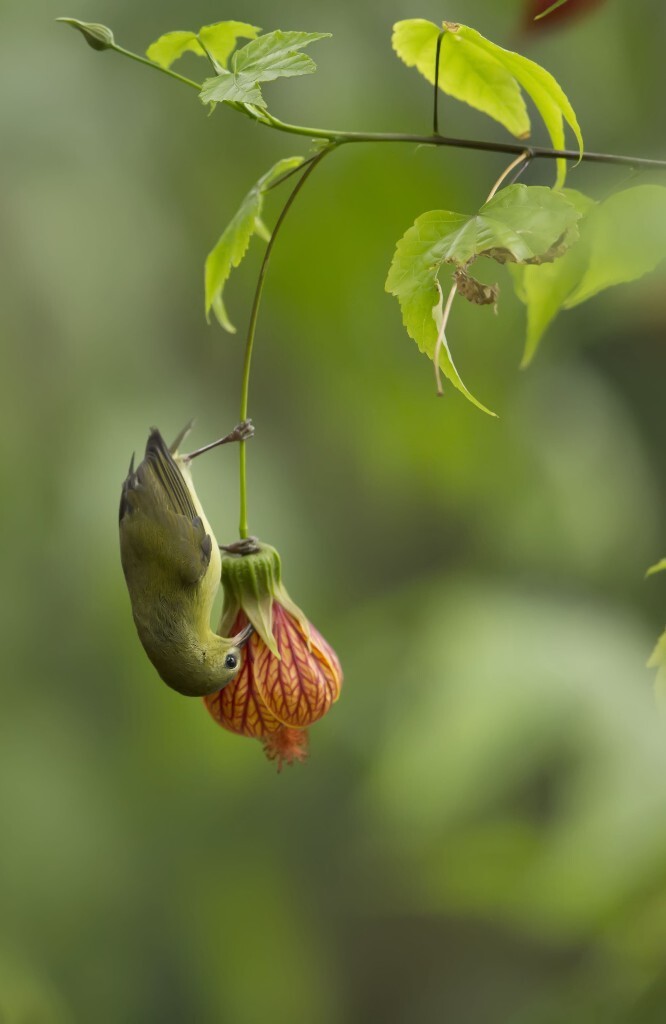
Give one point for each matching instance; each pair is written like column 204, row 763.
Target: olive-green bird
column 172, row 566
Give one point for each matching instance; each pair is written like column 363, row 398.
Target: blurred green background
column 480, row 834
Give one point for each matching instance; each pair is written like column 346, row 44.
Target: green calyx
column 252, row 582
column 98, row 36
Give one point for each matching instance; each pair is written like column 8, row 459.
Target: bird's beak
column 242, row 638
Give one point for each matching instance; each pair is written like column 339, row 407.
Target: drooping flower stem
column 243, row 529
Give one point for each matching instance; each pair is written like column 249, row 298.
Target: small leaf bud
column 98, row 36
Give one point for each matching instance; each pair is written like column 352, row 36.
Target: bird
column 172, row 568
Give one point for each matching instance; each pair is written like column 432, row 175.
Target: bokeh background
column 480, row 833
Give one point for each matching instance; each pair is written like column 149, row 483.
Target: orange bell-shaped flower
column 290, row 675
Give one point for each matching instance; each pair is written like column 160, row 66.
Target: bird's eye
column 231, row 661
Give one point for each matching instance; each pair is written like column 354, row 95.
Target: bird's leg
column 242, row 432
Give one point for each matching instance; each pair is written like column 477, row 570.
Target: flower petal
column 239, row 706
column 299, row 688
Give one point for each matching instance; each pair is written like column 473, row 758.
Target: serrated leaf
column 657, row 567
column 218, row 40
column 520, row 223
column 234, row 241
column 489, row 78
column 621, row 239
column 275, row 55
column 627, row 239
column 544, row 288
column 172, row 45
column 465, row 72
column 421, row 304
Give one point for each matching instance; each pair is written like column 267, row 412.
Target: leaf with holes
column 234, row 241
column 519, row 224
column 475, row 291
column 275, row 55
column 487, row 77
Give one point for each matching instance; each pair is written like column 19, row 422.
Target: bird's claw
column 247, row 546
column 244, row 431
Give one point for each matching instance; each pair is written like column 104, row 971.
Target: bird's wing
column 158, row 519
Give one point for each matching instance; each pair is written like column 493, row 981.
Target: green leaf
column 658, row 660
column 446, row 359
column 657, row 567
column 233, row 243
column 621, row 239
column 275, row 55
column 488, row 77
column 98, row 36
column 465, row 72
column 549, row 10
column 172, row 45
column 627, row 239
column 218, row 40
column 520, row 223
column 539, row 84
column 421, row 305
column 543, row 289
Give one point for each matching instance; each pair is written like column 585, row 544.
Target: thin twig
column 330, row 135
column 442, row 328
column 435, row 110
column 289, row 174
column 249, row 343
column 524, row 157
column 522, row 168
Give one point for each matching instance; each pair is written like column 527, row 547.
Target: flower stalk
column 243, row 529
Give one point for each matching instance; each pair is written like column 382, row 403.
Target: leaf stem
column 524, row 157
column 441, row 333
column 435, row 105
column 158, row 67
column 249, row 343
